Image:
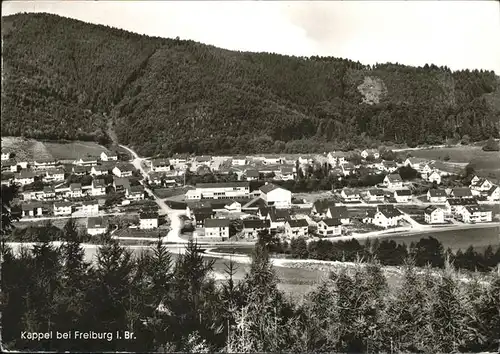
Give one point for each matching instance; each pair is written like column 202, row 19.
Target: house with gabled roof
column 278, row 217
column 276, row 196
column 87, row 161
column 24, row 177
column 480, row 186
column 99, row 170
column 217, row 228
column 98, row 187
column 389, row 166
column 123, row 170
column 453, row 206
column 200, row 215
column 97, row 225
column 287, row 173
column 31, row 209
column 337, row 157
column 62, row 208
column 148, row 221
column 296, row 228
column 348, row 169
column 350, row 195
column 160, row 165
column 436, row 196
column 41, row 164
column 393, row 181
column 370, row 152
column 135, row 192
column 414, row 163
column 251, row 174
column 89, row 207
column 461, row 192
column 384, row 216
column 434, row 176
column 54, row 175
column 252, row 227
column 320, row 207
column 5, row 155
column 330, row 227
column 402, row 195
column 339, row 212
column 434, row 215
column 493, row 194
column 375, row 195
column 109, row 156
column 475, row 214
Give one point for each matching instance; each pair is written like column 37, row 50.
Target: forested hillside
column 66, row 79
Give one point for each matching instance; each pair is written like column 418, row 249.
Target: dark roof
column 252, row 173
column 217, row 223
column 395, row 177
column 390, row 212
column 268, row 188
column 437, row 192
column 46, row 160
column 121, row 181
column 322, row 205
column 492, row 189
column 476, row 208
column 376, row 191
column 389, row 163
column 49, row 189
column 126, row 167
column 402, row 192
column 286, row 169
column 74, row 186
column 136, row 189
column 97, row 222
column 459, row 201
column 256, row 224
column 278, row 214
column 30, row 206
column 148, row 216
column 90, row 202
column 298, row 223
column 331, row 222
column 10, row 162
column 79, row 169
column 25, row 174
column 101, row 168
column 203, row 158
column 430, row 209
column 62, row 204
column 98, row 183
column 264, row 210
column 223, row 185
column 461, row 192
column 160, row 162
column 57, row 171
column 350, row 191
column 339, row 212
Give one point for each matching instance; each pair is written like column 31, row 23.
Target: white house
column 375, row 195
column 97, row 225
column 337, row 157
column 287, row 173
column 276, row 196
column 330, row 227
column 436, row 196
column 461, row 192
column 148, row 221
column 414, row 163
column 123, row 170
column 434, row 215
column 277, row 217
column 5, row 155
column 339, row 212
column 24, row 177
column 348, row 169
column 160, row 165
column 108, row 156
column 42, row 164
column 227, row 190
column 54, row 175
column 99, row 170
column 251, row 228
column 238, row 161
column 62, row 208
column 296, row 228
column 9, row 165
column 402, row 195
column 251, row 174
column 350, row 195
column 370, row 152
column 476, row 214
column 135, row 192
column 81, row 170
column 389, row 166
column 454, row 206
column 75, row 190
column 233, row 206
column 385, row 216
column 480, row 186
column 86, row 161
column 31, row 209
column 393, row 181
column 425, row 171
column 90, row 207
column 217, row 228
column 434, row 177
column 179, row 159
column 493, row 194
column 98, row 187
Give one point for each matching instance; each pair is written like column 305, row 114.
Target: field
column 486, row 163
column 30, row 149
column 171, row 193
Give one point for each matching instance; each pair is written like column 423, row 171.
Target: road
column 174, row 215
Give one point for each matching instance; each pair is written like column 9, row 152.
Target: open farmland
column 30, row 149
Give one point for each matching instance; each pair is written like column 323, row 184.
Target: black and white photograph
column 250, row 176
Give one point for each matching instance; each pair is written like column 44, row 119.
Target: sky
column 457, row 34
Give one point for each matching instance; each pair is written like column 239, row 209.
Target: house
column 99, row 170
column 238, row 161
column 370, row 152
column 348, row 169
column 5, row 155
column 480, row 186
column 200, row 215
column 493, row 194
column 54, row 175
column 203, row 160
column 108, row 156
column 22, row 164
column 475, row 214
column 425, row 171
column 350, row 195
column 276, row 196
column 436, row 196
column 273, row 160
column 389, row 166
column 160, row 165
column 81, row 170
column 121, row 184
column 97, row 225
column 179, row 159
column 296, row 228
column 475, row 179
column 453, row 206
column 461, row 192
column 90, row 207
column 375, row 195
column 75, row 190
column 31, row 209
column 434, row 215
column 330, row 227
column 434, row 177
column 217, row 228
column 98, row 187
column 320, row 207
column 385, row 216
column 233, row 206
column 251, row 228
column 62, row 208
column 287, row 173
column 336, row 157
column 393, row 181
column 277, row 217
column 339, row 212
column 135, row 192
column 414, row 163
column 24, row 177
column 123, row 170
column 228, row 190
column 402, row 195
column 251, row 174
column 87, row 161
column 9, row 166
column 42, row 164
column 148, row 221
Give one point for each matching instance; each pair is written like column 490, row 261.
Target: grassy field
column 30, row 149
column 486, row 163
column 171, row 193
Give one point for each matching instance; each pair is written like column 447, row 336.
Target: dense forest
column 65, row 79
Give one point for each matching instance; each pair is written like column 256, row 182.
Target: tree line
column 173, row 304
column 167, row 95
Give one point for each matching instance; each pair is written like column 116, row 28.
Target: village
column 107, row 187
